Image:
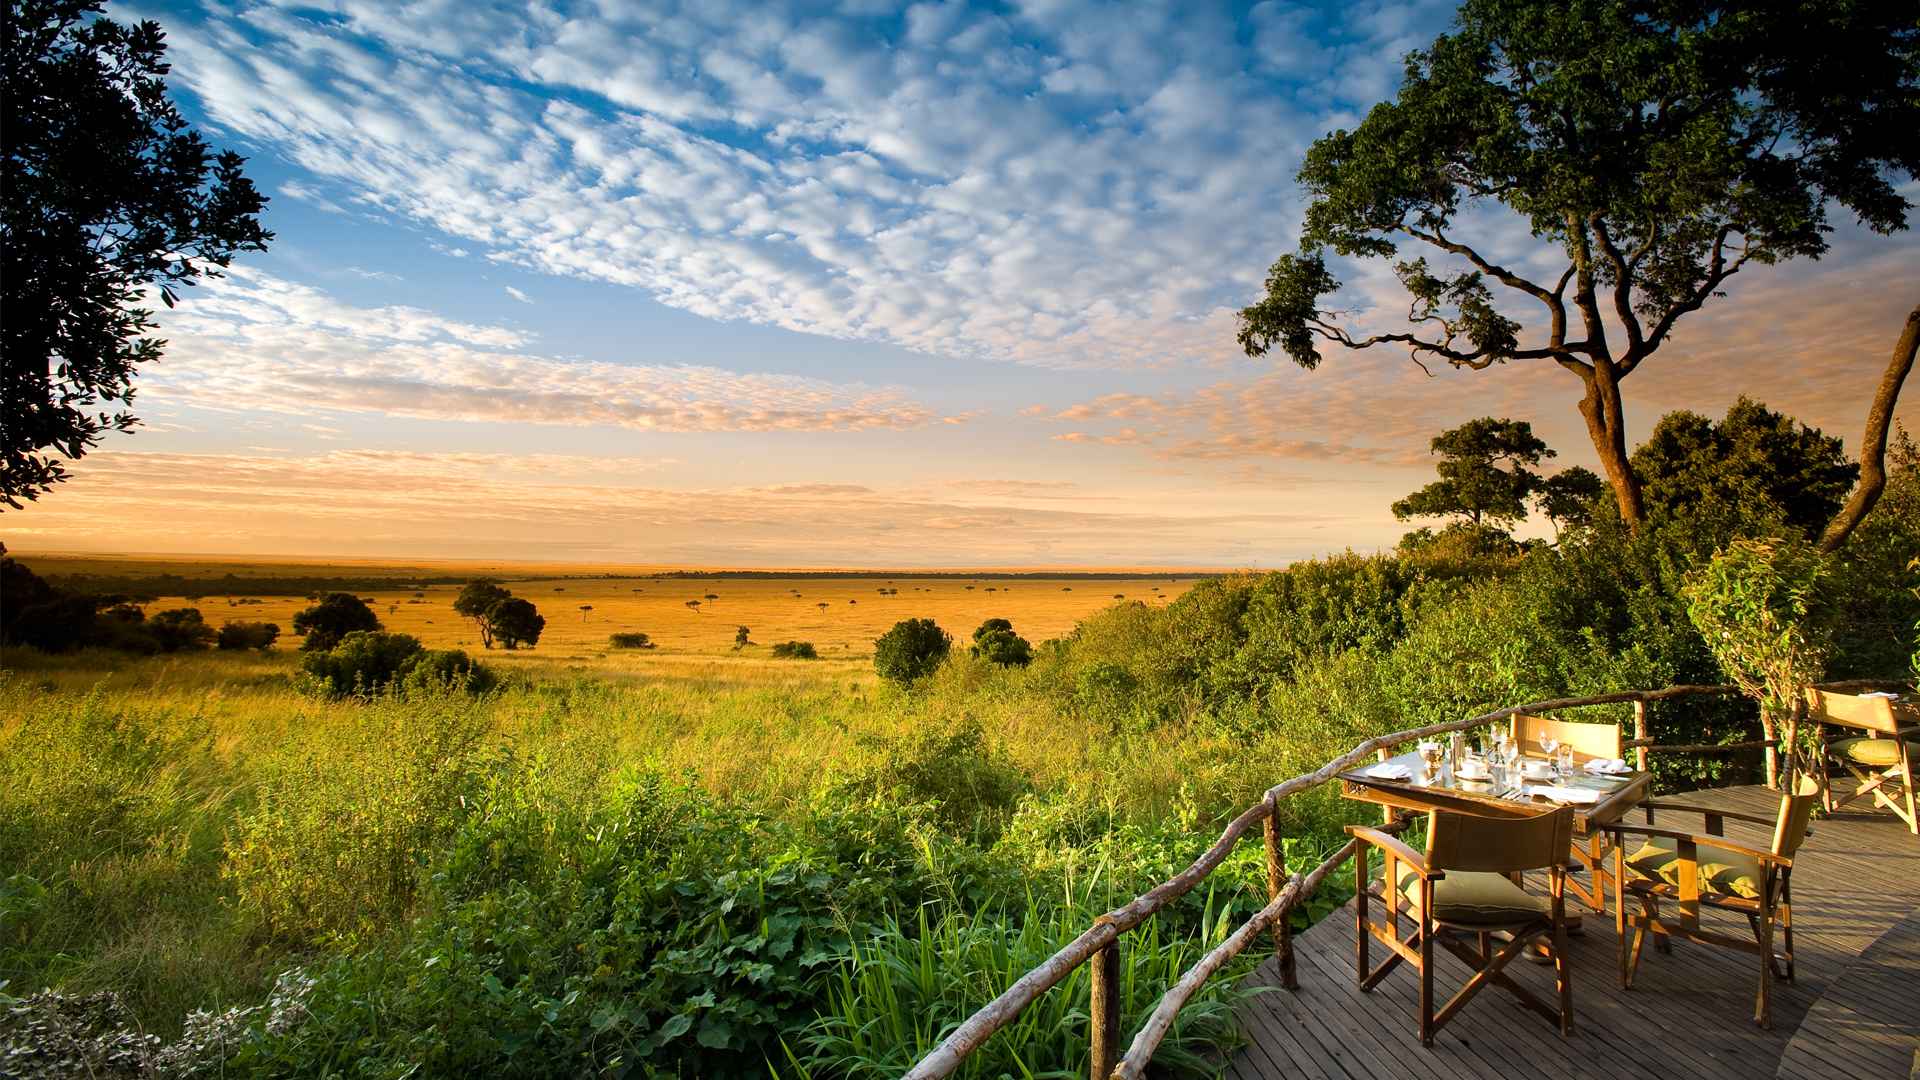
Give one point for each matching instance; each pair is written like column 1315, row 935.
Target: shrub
column 796, row 650
column 446, row 669
column 180, row 630
column 971, row 785
column 326, row 623
column 634, row 640
column 911, row 650
column 248, row 635
column 996, row 642
column 364, row 663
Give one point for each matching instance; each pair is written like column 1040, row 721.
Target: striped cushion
column 1727, row 873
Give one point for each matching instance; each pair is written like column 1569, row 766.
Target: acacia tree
column 1474, row 486
column 1566, row 498
column 1653, row 149
column 476, row 600
column 105, row 192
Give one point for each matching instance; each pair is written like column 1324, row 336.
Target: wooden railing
column 1099, row 943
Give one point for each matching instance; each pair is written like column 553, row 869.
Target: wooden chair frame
column 1487, row 961
column 1768, row 914
column 1875, row 717
column 1589, row 741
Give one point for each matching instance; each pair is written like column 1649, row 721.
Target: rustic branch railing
column 1100, row 940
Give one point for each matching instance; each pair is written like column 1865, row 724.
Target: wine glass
column 1550, row 746
column 1433, row 754
column 1566, row 760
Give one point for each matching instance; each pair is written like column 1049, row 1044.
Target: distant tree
column 105, row 192
column 180, row 630
column 635, row 640
column 248, row 635
column 1752, row 457
column 911, row 650
column 796, row 650
column 740, row 634
column 515, row 622
column 1567, row 497
column 585, row 610
column 333, row 618
column 1652, row 152
column 995, row 641
column 822, row 605
column 711, row 597
column 1474, row 486
column 474, row 601
column 693, row 606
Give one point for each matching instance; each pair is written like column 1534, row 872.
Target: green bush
column 634, row 640
column 328, row 622
column 996, row 643
column 362, row 664
column 970, row 784
column 180, row 630
column 796, row 650
column 248, row 635
column 446, row 669
column 911, row 650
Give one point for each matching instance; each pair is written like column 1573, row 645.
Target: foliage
column 329, row 621
column 476, row 600
column 1473, row 485
column 345, row 816
column 740, row 637
column 446, row 669
column 1657, row 151
column 107, row 194
column 796, row 650
column 995, row 642
column 180, row 629
column 515, row 622
column 1568, row 497
column 240, row 634
column 1754, row 457
column 633, row 640
column 1758, row 605
column 362, row 664
column 911, row 650
column 970, row 785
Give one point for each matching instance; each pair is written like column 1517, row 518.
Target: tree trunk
column 1606, row 426
column 1873, row 444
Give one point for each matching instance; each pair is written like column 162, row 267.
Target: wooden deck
column 1852, row 1014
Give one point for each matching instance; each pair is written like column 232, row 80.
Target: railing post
column 1640, row 735
column 1276, row 880
column 1104, row 1015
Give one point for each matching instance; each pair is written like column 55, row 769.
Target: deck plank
column 1850, row 1014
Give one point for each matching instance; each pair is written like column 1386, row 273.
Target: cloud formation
column 254, row 342
column 1051, row 183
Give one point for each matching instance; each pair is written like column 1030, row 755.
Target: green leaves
column 1288, row 312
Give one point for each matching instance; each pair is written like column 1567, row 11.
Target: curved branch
column 1717, row 273
column 1556, row 308
column 1622, row 285
column 1873, row 444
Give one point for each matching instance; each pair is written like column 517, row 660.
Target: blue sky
column 836, row 284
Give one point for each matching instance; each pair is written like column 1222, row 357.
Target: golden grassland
column 841, row 616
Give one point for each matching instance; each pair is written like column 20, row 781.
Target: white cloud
column 252, row 341
column 518, row 295
column 1057, row 186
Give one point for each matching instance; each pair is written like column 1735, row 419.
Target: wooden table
column 1451, row 794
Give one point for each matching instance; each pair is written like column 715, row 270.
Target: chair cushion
column 1468, row 898
column 1873, row 753
column 1727, row 873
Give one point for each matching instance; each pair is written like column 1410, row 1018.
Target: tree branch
column 1556, row 309
column 1622, row 286
column 1873, row 444
column 1717, row 272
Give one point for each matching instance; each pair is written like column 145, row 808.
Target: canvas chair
column 1589, row 742
column 1459, row 895
column 1696, row 871
column 1881, row 761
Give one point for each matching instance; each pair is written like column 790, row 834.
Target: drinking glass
column 1549, row 744
column 1565, row 760
column 1433, row 754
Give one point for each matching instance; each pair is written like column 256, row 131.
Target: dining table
column 1597, row 799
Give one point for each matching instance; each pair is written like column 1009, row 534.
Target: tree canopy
column 476, row 599
column 330, row 620
column 1484, row 473
column 1655, row 148
column 914, row 648
column 515, row 622
column 107, row 193
column 1754, row 457
column 1566, row 498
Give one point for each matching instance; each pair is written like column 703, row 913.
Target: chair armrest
column 1708, row 811
column 1414, row 860
column 1720, row 842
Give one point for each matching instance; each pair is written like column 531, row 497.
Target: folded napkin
column 1611, row 766
column 1888, row 694
column 1568, row 795
column 1389, row 770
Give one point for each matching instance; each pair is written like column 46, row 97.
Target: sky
column 853, row 285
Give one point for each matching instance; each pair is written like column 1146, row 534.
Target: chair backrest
column 1851, row 710
column 1588, row 740
column 1796, row 809
column 1499, row 844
